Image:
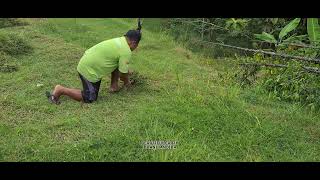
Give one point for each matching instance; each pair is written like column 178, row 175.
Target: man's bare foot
column 114, row 89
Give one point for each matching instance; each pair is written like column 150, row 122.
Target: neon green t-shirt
column 104, row 58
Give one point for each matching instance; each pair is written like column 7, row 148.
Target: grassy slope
column 182, row 99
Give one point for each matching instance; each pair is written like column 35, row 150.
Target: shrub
column 295, row 85
column 8, row 22
column 291, row 83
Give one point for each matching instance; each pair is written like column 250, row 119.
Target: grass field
column 181, row 98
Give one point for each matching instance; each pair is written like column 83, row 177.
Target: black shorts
column 90, row 90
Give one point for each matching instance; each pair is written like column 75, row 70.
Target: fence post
column 202, row 32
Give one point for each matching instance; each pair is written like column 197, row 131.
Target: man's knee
column 89, row 97
column 122, row 78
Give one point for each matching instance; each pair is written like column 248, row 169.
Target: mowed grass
column 181, row 98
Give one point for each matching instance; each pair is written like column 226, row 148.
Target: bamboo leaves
column 284, row 32
column 288, row 28
column 313, row 30
column 266, row 37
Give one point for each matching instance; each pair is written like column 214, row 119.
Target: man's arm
column 124, row 69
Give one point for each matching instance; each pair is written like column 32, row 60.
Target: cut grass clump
column 9, row 22
column 14, row 44
column 8, row 68
column 4, row 66
column 4, row 57
column 138, row 79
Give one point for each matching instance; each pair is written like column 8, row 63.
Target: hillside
column 181, row 97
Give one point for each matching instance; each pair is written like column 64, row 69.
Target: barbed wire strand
column 286, row 56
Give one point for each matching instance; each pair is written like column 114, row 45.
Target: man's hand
column 129, row 84
column 124, row 77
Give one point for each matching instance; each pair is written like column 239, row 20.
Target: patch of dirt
column 183, row 52
column 314, row 133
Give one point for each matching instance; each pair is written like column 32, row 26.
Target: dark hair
column 134, row 35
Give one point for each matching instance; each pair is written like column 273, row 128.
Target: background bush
column 8, row 22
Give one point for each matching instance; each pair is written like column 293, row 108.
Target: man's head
column 133, row 38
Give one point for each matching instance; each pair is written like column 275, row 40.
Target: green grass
column 181, row 98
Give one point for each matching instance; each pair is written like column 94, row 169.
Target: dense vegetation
column 290, row 79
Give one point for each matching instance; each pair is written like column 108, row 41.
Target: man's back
column 104, row 58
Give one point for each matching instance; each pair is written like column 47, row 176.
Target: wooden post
column 202, row 32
